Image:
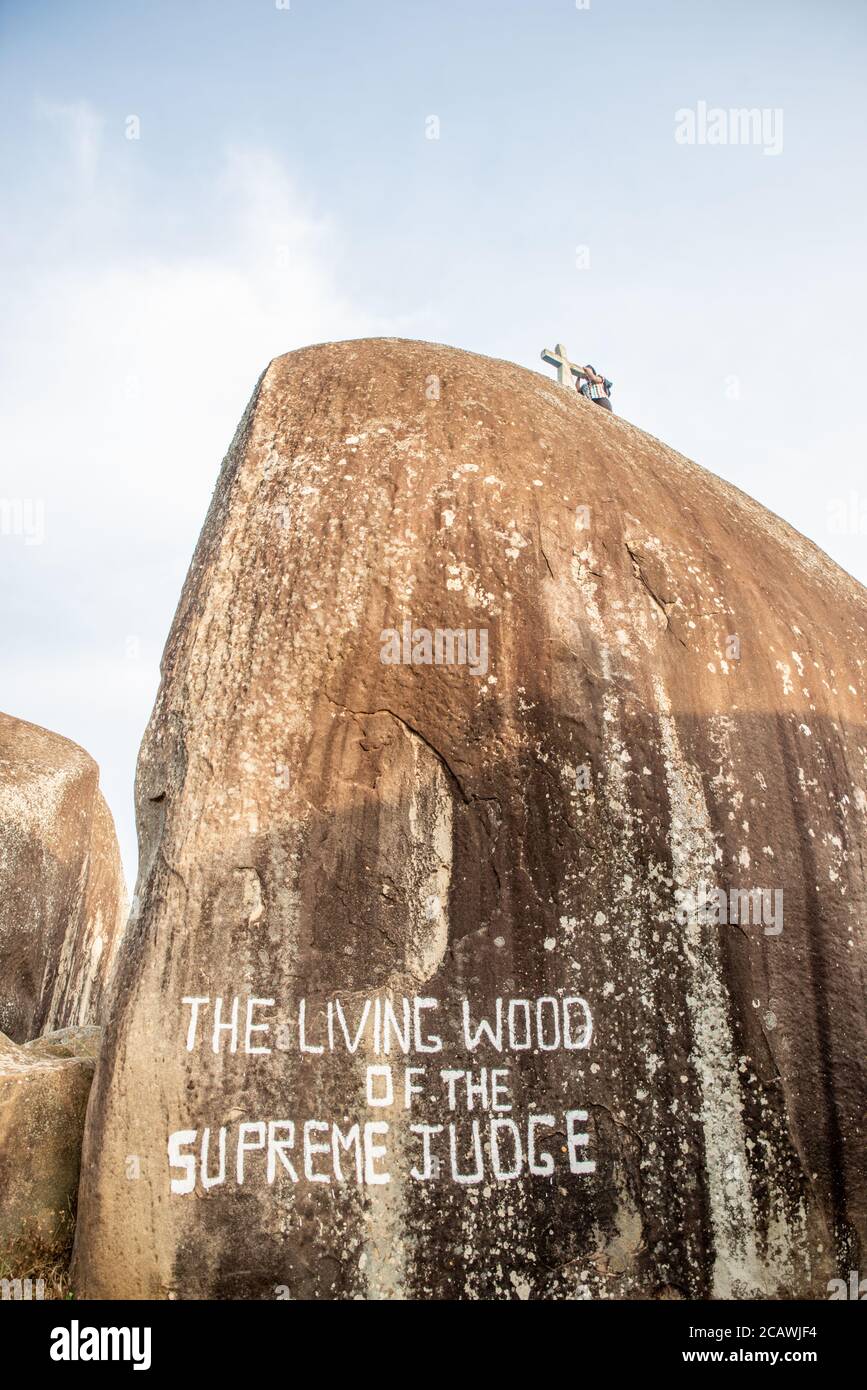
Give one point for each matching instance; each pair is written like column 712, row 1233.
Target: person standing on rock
column 596, row 388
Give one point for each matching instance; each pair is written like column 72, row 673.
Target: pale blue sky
column 283, row 191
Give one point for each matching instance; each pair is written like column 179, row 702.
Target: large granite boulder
column 502, row 907
column 62, row 895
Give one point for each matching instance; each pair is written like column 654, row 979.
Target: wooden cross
column 565, row 369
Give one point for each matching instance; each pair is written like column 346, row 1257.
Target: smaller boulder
column 62, row 893
column 82, row 1041
column 44, row 1087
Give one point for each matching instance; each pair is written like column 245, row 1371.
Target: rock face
column 356, row 847
column 43, row 1098
column 62, row 895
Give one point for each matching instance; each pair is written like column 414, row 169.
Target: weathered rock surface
column 62, row 895
column 43, row 1100
column 673, row 695
column 67, row 1042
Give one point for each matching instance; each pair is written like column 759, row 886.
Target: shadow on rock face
column 719, row 1086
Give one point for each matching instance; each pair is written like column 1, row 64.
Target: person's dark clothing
column 604, row 402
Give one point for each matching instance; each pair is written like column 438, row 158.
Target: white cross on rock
column 559, row 358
